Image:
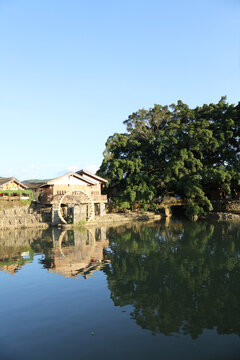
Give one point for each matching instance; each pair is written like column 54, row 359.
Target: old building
column 35, row 187
column 12, row 189
column 79, row 191
column 94, row 178
column 11, row 183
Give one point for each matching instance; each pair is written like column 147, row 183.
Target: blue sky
column 71, row 72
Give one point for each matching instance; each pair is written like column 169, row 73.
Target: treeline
column 175, row 151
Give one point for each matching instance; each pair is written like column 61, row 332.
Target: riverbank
column 118, row 218
column 223, row 216
column 23, row 217
column 40, row 217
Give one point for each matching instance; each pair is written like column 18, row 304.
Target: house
column 35, row 187
column 11, row 183
column 75, row 184
column 99, row 184
column 12, row 189
column 94, row 178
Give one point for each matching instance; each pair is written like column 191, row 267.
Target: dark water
column 166, row 291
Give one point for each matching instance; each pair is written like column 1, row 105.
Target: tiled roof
column 4, row 181
column 96, row 177
column 33, row 186
column 51, row 181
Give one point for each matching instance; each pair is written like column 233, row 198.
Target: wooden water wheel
column 73, row 198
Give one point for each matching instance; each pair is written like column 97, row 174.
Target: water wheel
column 90, row 238
column 72, row 198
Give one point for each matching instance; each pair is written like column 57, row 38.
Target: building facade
column 80, row 190
column 12, row 189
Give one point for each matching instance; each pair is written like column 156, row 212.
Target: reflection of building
column 83, row 257
column 69, row 253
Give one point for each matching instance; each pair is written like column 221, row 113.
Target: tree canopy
column 193, row 153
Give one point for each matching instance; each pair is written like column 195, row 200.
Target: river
column 140, row 291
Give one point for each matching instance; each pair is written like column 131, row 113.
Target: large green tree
column 175, row 150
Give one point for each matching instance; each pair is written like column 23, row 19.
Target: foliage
column 20, row 193
column 175, row 150
column 124, row 205
column 70, row 219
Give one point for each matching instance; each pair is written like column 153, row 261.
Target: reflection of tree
column 178, row 279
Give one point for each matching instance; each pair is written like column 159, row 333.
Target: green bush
column 124, row 205
column 20, row 192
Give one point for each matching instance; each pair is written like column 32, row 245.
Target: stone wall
column 79, row 213
column 233, row 206
column 224, row 216
column 24, row 217
column 228, row 206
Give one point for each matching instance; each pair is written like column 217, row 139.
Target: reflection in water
column 179, row 278
column 70, row 253
column 78, row 252
column 15, row 248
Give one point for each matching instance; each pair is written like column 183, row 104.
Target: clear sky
column 71, row 71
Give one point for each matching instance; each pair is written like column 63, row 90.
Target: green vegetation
column 35, row 181
column 69, row 219
column 174, row 150
column 18, row 194
column 10, row 257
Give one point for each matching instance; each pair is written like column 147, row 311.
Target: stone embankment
column 227, row 206
column 226, row 210
column 40, row 217
column 225, row 216
column 23, row 217
column 118, row 218
column 233, row 207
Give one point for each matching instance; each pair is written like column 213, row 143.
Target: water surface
column 165, row 291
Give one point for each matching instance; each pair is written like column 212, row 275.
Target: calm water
column 166, row 291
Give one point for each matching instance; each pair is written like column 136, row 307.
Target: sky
column 71, row 71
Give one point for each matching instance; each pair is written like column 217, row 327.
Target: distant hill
column 35, row 181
